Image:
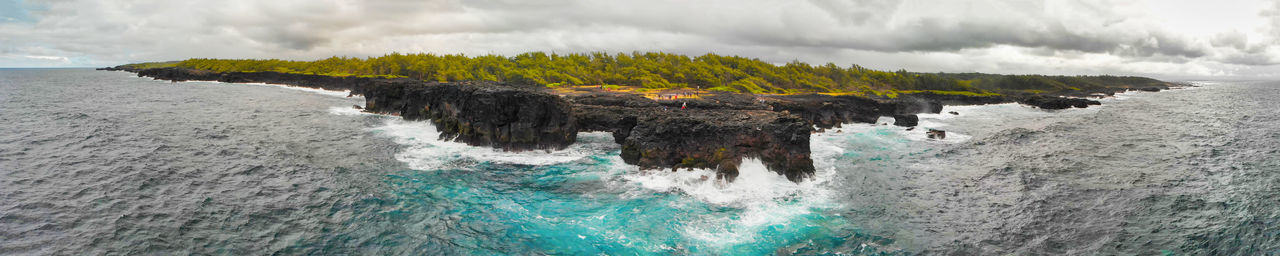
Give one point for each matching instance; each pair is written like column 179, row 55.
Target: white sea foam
column 1126, row 95
column 969, row 111
column 765, row 198
column 427, row 152
column 754, row 184
column 343, row 93
column 1121, row 96
column 1205, row 83
column 745, row 227
column 885, row 124
column 349, row 111
column 971, row 118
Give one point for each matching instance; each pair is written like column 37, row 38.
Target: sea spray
column 761, row 201
column 426, row 151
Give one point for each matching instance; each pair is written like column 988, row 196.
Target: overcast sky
column 1179, row 38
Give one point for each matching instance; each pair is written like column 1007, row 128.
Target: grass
column 656, row 93
column 961, row 93
column 651, row 93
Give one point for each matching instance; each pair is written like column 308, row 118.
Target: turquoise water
column 585, row 201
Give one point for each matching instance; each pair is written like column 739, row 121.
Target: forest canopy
column 656, row 70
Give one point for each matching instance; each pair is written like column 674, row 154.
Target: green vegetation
column 964, row 93
column 147, row 65
column 648, row 71
column 645, row 70
column 1043, row 84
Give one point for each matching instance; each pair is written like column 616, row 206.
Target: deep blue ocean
column 98, row 162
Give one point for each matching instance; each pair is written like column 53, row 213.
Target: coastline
column 713, row 131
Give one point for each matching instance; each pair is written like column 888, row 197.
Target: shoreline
column 712, row 130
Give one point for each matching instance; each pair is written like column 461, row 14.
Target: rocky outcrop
column 720, row 140
column 1048, row 102
column 906, row 120
column 936, row 134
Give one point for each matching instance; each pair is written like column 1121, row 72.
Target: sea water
column 95, row 162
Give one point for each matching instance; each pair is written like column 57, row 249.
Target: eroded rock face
column 711, row 139
column 616, row 120
column 479, row 114
column 655, row 135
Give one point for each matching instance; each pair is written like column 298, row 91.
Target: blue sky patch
column 15, row 11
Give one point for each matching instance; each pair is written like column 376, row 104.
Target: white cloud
column 1180, row 37
column 53, row 58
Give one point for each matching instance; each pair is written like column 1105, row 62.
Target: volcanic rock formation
column 712, row 131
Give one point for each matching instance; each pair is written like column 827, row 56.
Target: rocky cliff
column 479, row 114
column 713, row 131
column 708, row 135
column 712, row 134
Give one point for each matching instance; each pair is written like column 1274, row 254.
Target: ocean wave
column 755, row 184
column 737, row 213
column 764, row 201
column 343, row 93
column 884, row 129
column 426, row 151
column 349, row 111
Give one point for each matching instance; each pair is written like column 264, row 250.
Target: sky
column 1159, row 38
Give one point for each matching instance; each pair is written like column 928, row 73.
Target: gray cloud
column 877, row 25
column 999, row 33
